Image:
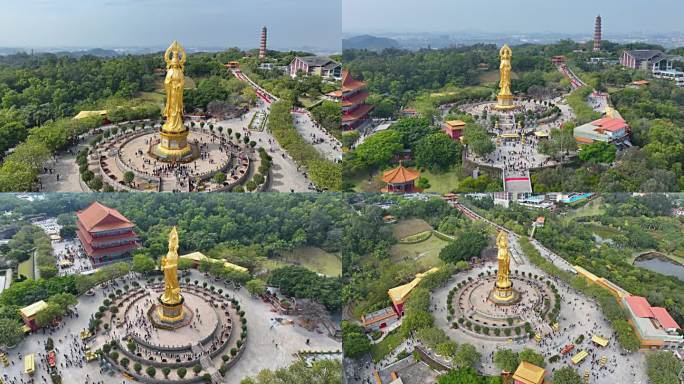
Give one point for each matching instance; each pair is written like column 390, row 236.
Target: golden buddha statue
column 169, row 265
column 171, row 308
column 503, row 288
column 173, row 143
column 505, row 97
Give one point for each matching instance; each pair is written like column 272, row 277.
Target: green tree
column 437, row 152
column 506, row 360
column 598, row 152
column 531, row 356
column 328, row 114
column 197, row 368
column 462, row 375
column 219, row 177
column 566, row 375
column 10, row 332
column 466, row 356
column 355, row 343
column 256, row 287
column 181, row 372
column 469, row 245
column 376, row 151
column 663, row 367
column 143, row 264
column 478, row 140
column 128, row 177
column 323, row 371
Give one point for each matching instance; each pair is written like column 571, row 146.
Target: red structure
column 105, row 234
column 262, row 46
column 558, row 60
column 597, row 34
column 352, row 97
column 454, row 128
column 401, row 179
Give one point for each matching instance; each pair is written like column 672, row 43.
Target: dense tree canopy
column 305, row 284
column 322, row 371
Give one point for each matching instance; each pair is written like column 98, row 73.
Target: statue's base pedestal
column 170, row 316
column 505, row 103
column 174, row 147
column 504, row 296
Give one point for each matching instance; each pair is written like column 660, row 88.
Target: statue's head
column 505, row 52
column 173, row 239
column 175, row 56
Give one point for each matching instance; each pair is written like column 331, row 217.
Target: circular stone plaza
column 211, row 334
column 131, row 150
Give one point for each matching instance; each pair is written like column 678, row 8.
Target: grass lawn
column 443, row 182
column 26, row 268
column 409, row 227
column 363, row 184
column 593, row 208
column 314, row 259
column 156, row 97
column 604, row 231
column 386, row 346
column 425, row 252
column 307, row 102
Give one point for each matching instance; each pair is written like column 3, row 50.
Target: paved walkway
column 324, row 142
column 65, row 166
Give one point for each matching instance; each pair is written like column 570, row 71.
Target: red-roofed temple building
column 105, row 234
column 352, row 97
column 653, row 325
column 611, row 128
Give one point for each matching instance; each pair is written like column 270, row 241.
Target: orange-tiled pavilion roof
column 400, row 175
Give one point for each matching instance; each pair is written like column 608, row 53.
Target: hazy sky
column 565, row 16
column 205, row 23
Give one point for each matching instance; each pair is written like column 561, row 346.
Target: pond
column 657, row 262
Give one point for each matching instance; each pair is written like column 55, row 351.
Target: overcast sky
column 564, row 16
column 144, row 23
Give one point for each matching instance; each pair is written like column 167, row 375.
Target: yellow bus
column 29, row 364
column 579, row 357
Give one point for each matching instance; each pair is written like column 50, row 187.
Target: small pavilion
column 28, row 314
column 400, row 179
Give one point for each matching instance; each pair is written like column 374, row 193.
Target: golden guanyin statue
column 169, row 265
column 174, row 82
column 171, row 301
column 505, row 97
column 504, row 258
column 503, row 292
column 173, row 144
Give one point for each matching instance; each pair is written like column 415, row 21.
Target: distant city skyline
column 620, row 17
column 292, row 24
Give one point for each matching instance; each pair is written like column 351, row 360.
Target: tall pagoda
column 352, row 97
column 105, row 234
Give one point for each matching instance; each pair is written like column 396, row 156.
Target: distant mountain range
column 369, row 42
column 119, row 51
column 413, row 41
